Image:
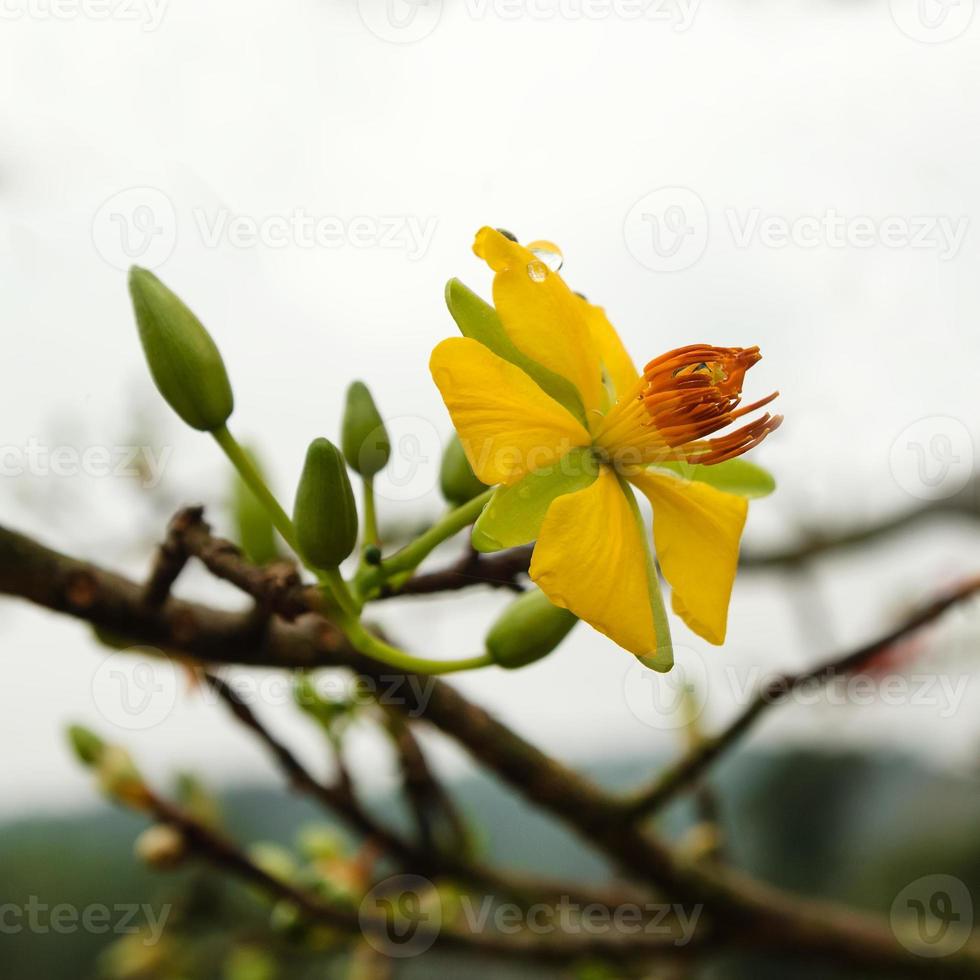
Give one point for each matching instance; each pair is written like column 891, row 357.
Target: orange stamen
column 684, row 396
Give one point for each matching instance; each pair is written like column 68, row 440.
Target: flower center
column 683, row 397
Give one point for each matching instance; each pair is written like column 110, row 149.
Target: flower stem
column 370, row 514
column 333, row 584
column 371, row 646
column 253, row 480
column 412, row 555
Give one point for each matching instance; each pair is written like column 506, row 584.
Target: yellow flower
column 549, row 406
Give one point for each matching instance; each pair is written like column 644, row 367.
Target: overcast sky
column 802, row 176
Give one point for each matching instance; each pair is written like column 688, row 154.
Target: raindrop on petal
column 548, row 253
column 537, row 271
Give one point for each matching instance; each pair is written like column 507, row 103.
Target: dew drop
column 548, row 253
column 537, row 271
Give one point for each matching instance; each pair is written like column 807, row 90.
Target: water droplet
column 507, row 234
column 548, row 253
column 538, row 271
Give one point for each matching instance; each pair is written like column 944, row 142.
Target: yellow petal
column 507, row 425
column 591, row 558
column 617, row 365
column 541, row 315
column 697, row 530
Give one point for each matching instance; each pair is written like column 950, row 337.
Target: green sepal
column 364, row 437
column 735, row 476
column 185, row 362
column 527, row 630
column 514, row 514
column 662, row 660
column 478, row 320
column 325, row 514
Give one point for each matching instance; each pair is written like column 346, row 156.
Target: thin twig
column 427, row 796
column 694, row 764
column 421, row 860
column 426, row 930
column 171, row 557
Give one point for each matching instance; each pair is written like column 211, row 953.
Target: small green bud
column 184, row 361
column 527, row 630
column 274, row 860
column 458, row 482
column 325, row 514
column 161, row 846
column 119, row 778
column 317, row 841
column 256, row 532
column 372, row 555
column 86, row 744
column 364, row 438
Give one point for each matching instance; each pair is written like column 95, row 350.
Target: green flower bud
column 458, row 482
column 86, row 744
column 184, row 361
column 325, row 514
column 528, row 629
column 364, row 438
column 256, row 532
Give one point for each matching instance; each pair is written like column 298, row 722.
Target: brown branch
column 561, row 947
column 171, row 557
column 693, row 765
column 501, row 570
column 966, row 504
column 505, row 568
column 746, row 911
column 334, row 798
column 427, row 796
column 420, row 860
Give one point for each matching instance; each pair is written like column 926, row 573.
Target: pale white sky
column 825, row 161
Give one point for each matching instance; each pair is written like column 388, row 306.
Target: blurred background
column 799, row 175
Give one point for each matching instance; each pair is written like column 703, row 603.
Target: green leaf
column 479, row 321
column 515, row 513
column 737, row 476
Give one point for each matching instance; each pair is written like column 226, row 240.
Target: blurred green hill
column 847, row 826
